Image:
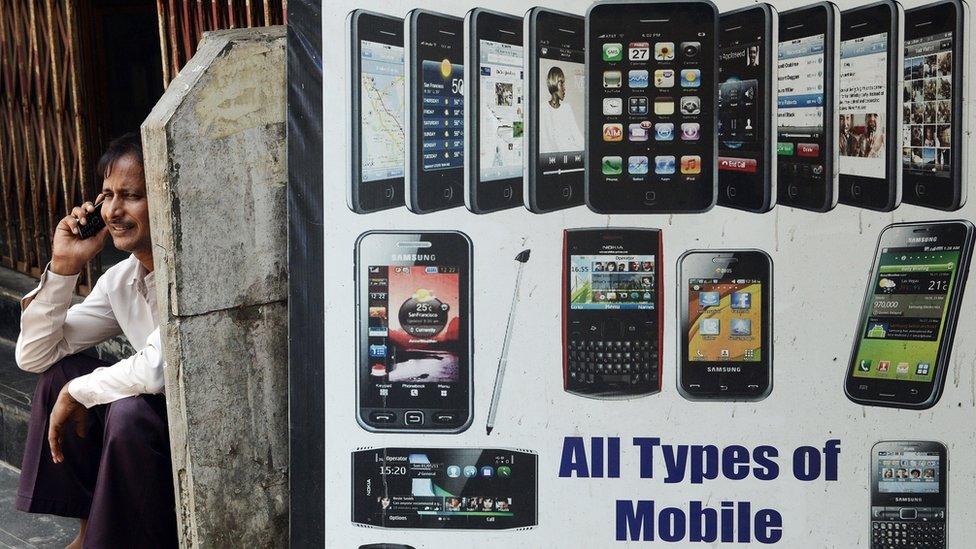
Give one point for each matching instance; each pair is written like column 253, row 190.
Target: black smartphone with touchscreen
column 725, row 341
column 652, row 90
column 434, row 118
column 612, row 312
column 909, row 495
column 555, row 110
column 747, row 108
column 903, row 339
column 413, row 322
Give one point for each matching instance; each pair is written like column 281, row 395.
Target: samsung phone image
column 808, row 73
column 612, row 312
column 375, row 117
column 747, row 108
column 933, row 103
column 652, row 73
column 869, row 110
column 445, row 488
column 555, row 85
column 909, row 495
column 912, row 304
column 493, row 112
column 725, row 339
column 434, row 80
column 413, row 322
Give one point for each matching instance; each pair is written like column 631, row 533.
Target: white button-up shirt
column 123, row 301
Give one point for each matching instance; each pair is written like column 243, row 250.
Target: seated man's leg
column 63, row 489
column 134, row 504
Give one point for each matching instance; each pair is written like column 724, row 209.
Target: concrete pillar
column 216, row 175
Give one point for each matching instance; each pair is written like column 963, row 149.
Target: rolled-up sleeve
column 141, row 373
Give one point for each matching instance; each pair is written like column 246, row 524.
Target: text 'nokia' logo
column 414, row 257
column 919, row 239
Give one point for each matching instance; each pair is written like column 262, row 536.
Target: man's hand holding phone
column 70, row 252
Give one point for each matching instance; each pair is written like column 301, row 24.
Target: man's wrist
column 64, row 267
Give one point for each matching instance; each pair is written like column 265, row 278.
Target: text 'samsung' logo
column 920, row 239
column 908, row 500
column 414, row 257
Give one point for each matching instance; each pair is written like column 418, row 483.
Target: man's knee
column 137, row 419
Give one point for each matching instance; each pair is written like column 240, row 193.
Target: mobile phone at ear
column 725, row 340
column 747, row 108
column 909, row 494
column 651, row 140
column 93, row 223
column 869, row 111
column 938, row 46
column 808, row 75
column 494, row 110
column 375, row 118
column 414, row 335
column 434, row 118
column 903, row 339
column 555, row 90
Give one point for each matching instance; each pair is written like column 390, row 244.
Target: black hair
column 128, row 143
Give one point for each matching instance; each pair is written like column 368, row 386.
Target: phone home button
column 908, row 514
column 388, row 193
column 793, row 191
column 508, row 192
column 856, row 190
column 567, row 192
column 650, row 197
column 920, row 189
column 448, row 193
column 413, row 418
column 731, row 192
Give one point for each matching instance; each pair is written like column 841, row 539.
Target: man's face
column 872, row 122
column 125, row 207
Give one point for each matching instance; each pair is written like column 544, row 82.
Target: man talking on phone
column 98, row 443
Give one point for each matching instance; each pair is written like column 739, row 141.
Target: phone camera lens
column 690, row 49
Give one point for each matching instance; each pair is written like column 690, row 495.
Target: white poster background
column 821, row 264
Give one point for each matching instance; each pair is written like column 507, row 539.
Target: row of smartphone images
column 659, row 107
column 496, row 489
column 415, row 331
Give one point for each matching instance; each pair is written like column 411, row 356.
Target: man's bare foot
column 76, row 543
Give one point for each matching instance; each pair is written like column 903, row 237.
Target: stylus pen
column 522, row 258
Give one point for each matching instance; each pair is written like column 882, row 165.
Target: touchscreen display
column 740, row 103
column 413, row 339
column 903, row 329
column 908, row 472
column 442, row 115
column 612, row 282
column 501, row 125
column 381, row 107
column 724, row 320
column 800, row 109
column 862, row 109
column 562, row 100
column 927, row 105
column 444, row 488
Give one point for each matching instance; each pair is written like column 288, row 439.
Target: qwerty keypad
column 907, row 535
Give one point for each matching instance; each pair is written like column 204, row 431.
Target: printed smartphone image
column 612, row 312
column 414, row 338
column 807, row 75
column 869, row 109
column 933, row 135
column 555, row 112
column 375, row 118
column 494, row 111
column 909, row 495
column 904, row 335
column 652, row 90
column 747, row 108
column 434, row 80
column 449, row 488
column 94, row 222
column 725, row 347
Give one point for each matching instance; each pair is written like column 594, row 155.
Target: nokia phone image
column 725, row 340
column 375, row 118
column 414, row 338
column 869, row 108
column 434, row 80
column 445, row 488
column 555, row 85
column 494, row 111
column 807, row 75
column 908, row 319
column 612, row 312
column 747, row 108
column 934, row 105
column 909, row 495
column 652, row 76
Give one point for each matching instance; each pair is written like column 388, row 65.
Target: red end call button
column 808, row 149
column 746, row 165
